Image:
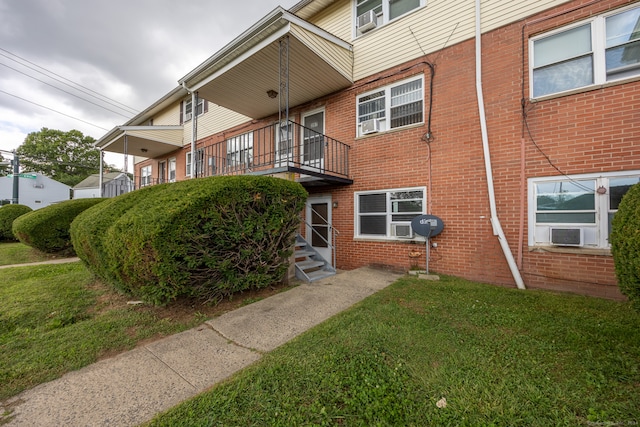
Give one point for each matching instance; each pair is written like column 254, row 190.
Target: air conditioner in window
column 403, row 231
column 370, row 126
column 367, row 21
column 566, row 236
column 187, row 117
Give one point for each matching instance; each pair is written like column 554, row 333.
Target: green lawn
column 56, row 318
column 19, row 253
column 442, row 353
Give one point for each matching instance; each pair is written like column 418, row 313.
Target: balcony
column 309, row 157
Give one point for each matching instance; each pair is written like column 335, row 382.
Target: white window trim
column 187, row 172
column 597, row 231
column 145, row 175
column 387, row 111
column 184, row 111
column 385, row 16
column 598, row 49
column 388, row 236
column 171, row 167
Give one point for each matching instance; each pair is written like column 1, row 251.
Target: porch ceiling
column 143, row 141
column 241, row 74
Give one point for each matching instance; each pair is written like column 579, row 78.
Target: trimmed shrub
column 625, row 245
column 88, row 229
column 47, row 229
column 8, row 214
column 206, row 238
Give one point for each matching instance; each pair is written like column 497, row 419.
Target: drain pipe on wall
column 495, row 222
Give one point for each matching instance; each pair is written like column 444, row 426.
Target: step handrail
column 334, row 233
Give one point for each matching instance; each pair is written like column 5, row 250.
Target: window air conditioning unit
column 187, row 117
column 370, row 126
column 566, row 236
column 367, row 21
column 402, row 230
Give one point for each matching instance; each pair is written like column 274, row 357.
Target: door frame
column 327, row 253
column 315, row 164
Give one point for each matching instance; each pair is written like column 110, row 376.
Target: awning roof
column 143, row 141
column 239, row 76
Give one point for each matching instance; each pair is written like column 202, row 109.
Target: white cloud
column 134, row 52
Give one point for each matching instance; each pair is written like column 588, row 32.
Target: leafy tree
column 4, row 169
column 67, row 157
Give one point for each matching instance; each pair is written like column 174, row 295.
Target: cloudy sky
column 124, row 54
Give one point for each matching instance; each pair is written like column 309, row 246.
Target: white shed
column 35, row 190
column 113, row 183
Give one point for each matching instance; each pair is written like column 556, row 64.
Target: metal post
column 194, row 133
column 101, row 179
column 16, row 178
column 283, row 99
column 428, row 247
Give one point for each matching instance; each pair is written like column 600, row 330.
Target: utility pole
column 16, row 178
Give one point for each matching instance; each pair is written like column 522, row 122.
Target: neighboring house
column 113, row 184
column 35, row 190
column 522, row 140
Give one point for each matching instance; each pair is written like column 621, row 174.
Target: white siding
column 170, row 116
column 340, row 58
column 439, row 24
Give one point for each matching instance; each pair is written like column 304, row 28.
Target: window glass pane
column 563, row 76
column 407, row 206
column 565, row 196
column 371, row 106
column 562, row 46
column 405, row 195
column 400, row 7
column 618, row 187
column 373, row 203
column 376, row 224
column 567, row 218
column 623, row 61
column 623, row 27
column 364, row 6
column 403, row 217
column 406, row 93
column 406, row 115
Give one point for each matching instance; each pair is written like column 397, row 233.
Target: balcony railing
column 289, row 147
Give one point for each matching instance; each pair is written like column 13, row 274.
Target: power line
column 51, row 109
column 120, row 104
column 62, row 90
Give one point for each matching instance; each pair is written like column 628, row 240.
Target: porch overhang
column 142, row 141
column 239, row 76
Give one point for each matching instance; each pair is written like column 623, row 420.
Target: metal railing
column 332, row 234
column 288, row 146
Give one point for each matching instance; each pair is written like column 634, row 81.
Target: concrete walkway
column 51, row 261
column 131, row 388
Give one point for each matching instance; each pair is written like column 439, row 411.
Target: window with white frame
column 394, row 106
column 581, row 205
column 145, row 176
column 187, row 113
column 199, row 163
column 602, row 49
column 371, row 14
column 240, row 151
column 172, row 169
column 379, row 213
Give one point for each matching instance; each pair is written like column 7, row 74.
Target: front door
column 313, row 140
column 319, row 230
column 162, row 172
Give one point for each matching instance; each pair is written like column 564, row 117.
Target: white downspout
column 495, row 222
column 194, row 131
column 101, row 179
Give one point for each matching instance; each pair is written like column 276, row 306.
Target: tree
column 4, row 169
column 67, row 157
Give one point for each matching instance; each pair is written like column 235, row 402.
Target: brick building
column 515, row 123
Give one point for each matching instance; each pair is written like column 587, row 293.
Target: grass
column 442, row 353
column 58, row 318
column 19, row 253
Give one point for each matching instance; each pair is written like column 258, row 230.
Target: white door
column 313, row 139
column 319, row 226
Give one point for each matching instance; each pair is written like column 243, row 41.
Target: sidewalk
column 51, row 261
column 132, row 387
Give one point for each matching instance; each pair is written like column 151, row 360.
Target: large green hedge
column 625, row 245
column 8, row 214
column 47, row 229
column 207, row 237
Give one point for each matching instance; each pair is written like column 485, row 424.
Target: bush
column 208, row 237
column 47, row 229
column 625, row 245
column 8, row 214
